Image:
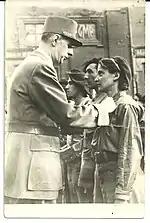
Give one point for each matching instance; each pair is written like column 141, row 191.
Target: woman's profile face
column 104, row 79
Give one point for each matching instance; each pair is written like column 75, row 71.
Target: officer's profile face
column 71, row 89
column 63, row 50
column 91, row 74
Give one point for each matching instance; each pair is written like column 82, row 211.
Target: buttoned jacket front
column 35, row 98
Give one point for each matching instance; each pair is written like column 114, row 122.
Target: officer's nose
column 70, row 52
column 67, row 86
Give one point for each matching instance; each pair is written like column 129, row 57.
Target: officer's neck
column 46, row 48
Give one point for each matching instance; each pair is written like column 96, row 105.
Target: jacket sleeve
column 48, row 94
column 129, row 151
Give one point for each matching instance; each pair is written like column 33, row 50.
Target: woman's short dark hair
column 118, row 64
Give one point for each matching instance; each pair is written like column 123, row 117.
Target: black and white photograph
column 74, row 104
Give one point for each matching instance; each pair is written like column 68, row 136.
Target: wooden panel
column 137, row 19
column 118, row 29
column 118, row 33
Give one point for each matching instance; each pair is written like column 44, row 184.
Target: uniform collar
column 45, row 56
column 118, row 95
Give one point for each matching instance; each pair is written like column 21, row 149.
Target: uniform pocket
column 45, row 167
column 44, row 143
column 45, row 171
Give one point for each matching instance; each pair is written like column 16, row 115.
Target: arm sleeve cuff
column 122, row 195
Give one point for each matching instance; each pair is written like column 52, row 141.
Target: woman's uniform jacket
column 36, row 104
column 122, row 137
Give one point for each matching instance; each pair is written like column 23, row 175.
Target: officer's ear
column 54, row 39
column 116, row 76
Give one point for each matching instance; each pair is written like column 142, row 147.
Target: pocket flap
column 44, row 143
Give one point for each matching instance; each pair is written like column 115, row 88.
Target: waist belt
column 105, row 156
column 32, row 129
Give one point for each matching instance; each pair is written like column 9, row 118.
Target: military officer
column 37, row 103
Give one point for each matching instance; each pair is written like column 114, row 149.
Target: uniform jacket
column 37, row 100
column 123, row 137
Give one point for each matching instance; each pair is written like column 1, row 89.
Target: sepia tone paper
column 22, row 36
